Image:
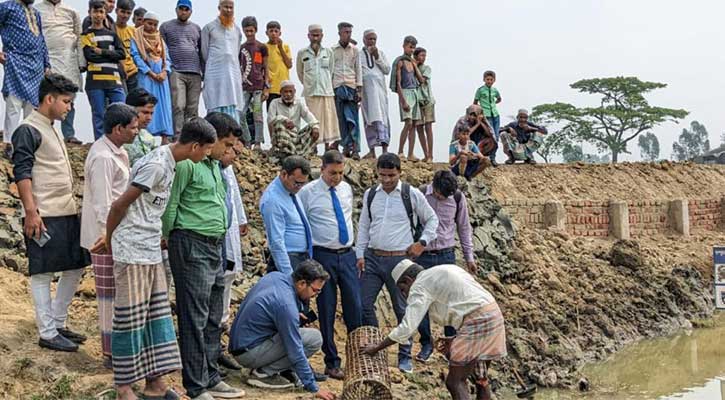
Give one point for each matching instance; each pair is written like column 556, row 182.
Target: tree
column 691, row 143
column 649, row 147
column 623, row 113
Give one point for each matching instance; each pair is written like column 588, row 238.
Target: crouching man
column 266, row 335
column 452, row 297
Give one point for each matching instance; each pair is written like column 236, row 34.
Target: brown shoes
column 335, row 373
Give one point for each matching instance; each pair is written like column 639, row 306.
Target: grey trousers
column 270, row 357
column 185, row 93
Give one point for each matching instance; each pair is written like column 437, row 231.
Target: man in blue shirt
column 266, row 335
column 288, row 232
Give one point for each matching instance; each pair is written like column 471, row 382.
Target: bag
column 416, row 228
column 457, row 196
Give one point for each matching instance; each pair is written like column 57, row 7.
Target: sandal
column 169, row 395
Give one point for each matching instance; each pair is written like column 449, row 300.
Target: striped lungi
column 143, row 342
column 105, row 289
column 482, row 337
column 323, row 108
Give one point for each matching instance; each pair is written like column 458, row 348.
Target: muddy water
column 690, row 366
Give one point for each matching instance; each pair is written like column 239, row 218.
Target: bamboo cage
column 366, row 378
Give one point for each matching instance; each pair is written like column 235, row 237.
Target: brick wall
column 648, row 217
column 705, row 214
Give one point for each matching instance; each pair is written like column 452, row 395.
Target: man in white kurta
column 221, row 41
column 375, row 67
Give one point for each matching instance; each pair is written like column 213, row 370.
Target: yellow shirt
column 126, row 34
column 278, row 71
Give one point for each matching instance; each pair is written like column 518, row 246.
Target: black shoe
column 58, row 343
column 72, row 336
column 319, row 377
column 291, row 377
column 228, row 362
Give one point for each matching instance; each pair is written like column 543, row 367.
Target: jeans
column 14, row 107
column 294, row 258
column 199, row 279
column 495, row 123
column 270, row 356
column 343, row 272
column 51, row 313
column 378, row 273
column 253, row 102
column 185, row 93
column 132, row 83
column 428, row 260
column 66, row 126
column 99, row 99
column 348, row 118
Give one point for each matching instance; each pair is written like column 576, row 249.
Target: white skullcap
column 400, row 269
column 286, row 83
column 369, row 31
column 523, row 111
column 314, row 27
column 151, row 15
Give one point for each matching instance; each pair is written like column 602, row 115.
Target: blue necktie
column 308, row 232
column 341, row 224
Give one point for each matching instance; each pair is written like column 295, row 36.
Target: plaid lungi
column 521, row 151
column 143, row 341
column 286, row 142
column 482, row 337
column 105, row 290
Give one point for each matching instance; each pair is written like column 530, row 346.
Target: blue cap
column 184, row 3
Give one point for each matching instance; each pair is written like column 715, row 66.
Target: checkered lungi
column 522, row 151
column 287, row 142
column 105, row 290
column 482, row 337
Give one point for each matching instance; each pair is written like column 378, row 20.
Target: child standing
column 488, row 97
column 279, row 60
column 253, row 57
column 405, row 81
column 427, row 105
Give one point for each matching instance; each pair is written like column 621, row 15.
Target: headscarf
column 150, row 45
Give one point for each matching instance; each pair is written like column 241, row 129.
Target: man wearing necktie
column 289, row 237
column 327, row 202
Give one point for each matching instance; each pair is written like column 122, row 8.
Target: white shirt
column 316, row 200
column 389, row 229
column 447, row 293
column 62, row 31
column 238, row 217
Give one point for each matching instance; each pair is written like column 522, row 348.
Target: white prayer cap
column 523, row 111
column 400, row 269
column 286, row 83
column 314, row 27
column 151, row 15
column 369, row 31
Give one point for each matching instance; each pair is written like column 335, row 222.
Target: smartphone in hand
column 44, row 238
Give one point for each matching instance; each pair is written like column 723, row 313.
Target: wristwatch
column 423, row 243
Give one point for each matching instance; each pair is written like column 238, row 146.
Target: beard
column 227, row 22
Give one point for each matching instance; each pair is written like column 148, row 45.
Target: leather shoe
column 335, row 373
column 229, row 363
column 72, row 336
column 58, row 343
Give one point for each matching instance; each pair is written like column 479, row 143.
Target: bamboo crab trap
column 366, row 378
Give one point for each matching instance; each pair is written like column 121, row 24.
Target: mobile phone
column 44, row 238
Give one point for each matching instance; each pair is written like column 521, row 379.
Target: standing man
column 143, row 341
column 289, row 237
column 328, row 202
column 314, row 69
column 451, row 208
column 125, row 32
column 51, row 224
column 183, row 39
column 347, row 83
column 195, row 223
column 106, row 173
column 253, row 60
column 62, row 30
column 221, row 41
column 279, row 62
column 396, row 222
column 25, row 58
column 375, row 109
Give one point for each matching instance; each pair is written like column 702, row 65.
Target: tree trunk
column 615, row 157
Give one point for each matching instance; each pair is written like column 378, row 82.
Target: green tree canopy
column 622, row 114
column 649, row 147
column 691, row 143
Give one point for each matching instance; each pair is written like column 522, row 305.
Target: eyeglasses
column 300, row 184
column 315, row 289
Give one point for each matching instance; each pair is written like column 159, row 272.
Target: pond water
column 689, row 366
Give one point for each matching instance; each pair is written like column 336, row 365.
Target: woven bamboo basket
column 366, row 378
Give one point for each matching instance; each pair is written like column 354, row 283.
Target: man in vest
column 51, row 222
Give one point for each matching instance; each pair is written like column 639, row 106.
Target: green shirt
column 486, row 98
column 197, row 202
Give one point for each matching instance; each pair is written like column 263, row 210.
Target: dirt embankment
column 566, row 300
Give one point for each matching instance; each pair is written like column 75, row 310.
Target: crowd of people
column 161, row 203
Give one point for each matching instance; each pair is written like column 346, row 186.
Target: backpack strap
column 408, row 204
column 458, row 196
column 371, row 196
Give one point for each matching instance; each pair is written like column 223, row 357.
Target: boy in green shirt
column 487, row 97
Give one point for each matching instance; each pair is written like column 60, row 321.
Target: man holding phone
column 51, row 222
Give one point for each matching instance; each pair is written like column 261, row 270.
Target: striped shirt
column 183, row 40
column 103, row 68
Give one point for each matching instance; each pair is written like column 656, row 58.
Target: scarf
column 227, row 22
column 150, row 45
column 30, row 18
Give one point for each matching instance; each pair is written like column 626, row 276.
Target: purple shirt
column 447, row 224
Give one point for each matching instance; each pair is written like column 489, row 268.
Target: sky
column 537, row 48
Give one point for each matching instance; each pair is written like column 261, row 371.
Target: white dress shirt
column 389, row 229
column 316, row 200
column 447, row 293
column 238, row 217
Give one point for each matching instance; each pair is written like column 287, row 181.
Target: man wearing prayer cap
column 315, row 65
column 452, row 297
column 285, row 116
column 520, row 139
column 375, row 110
